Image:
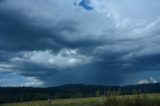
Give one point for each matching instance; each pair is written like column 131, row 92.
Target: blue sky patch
column 86, row 5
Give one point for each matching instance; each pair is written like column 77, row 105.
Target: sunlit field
column 134, row 100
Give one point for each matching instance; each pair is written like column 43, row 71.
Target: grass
column 58, row 102
column 133, row 100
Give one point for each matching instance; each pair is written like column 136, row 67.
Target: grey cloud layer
column 58, row 43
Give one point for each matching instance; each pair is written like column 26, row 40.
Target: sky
column 102, row 42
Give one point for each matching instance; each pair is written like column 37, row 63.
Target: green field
column 135, row 100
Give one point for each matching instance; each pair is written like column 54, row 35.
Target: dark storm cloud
column 58, row 44
column 17, row 33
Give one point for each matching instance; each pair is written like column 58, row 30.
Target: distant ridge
column 15, row 94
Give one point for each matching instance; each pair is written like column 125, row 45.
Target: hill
column 15, row 94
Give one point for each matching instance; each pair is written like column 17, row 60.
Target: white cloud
column 6, row 67
column 143, row 82
column 13, row 79
column 32, row 82
column 62, row 59
column 153, row 80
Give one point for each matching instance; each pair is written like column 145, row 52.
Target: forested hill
column 14, row 94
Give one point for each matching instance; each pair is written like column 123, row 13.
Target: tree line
column 16, row 94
